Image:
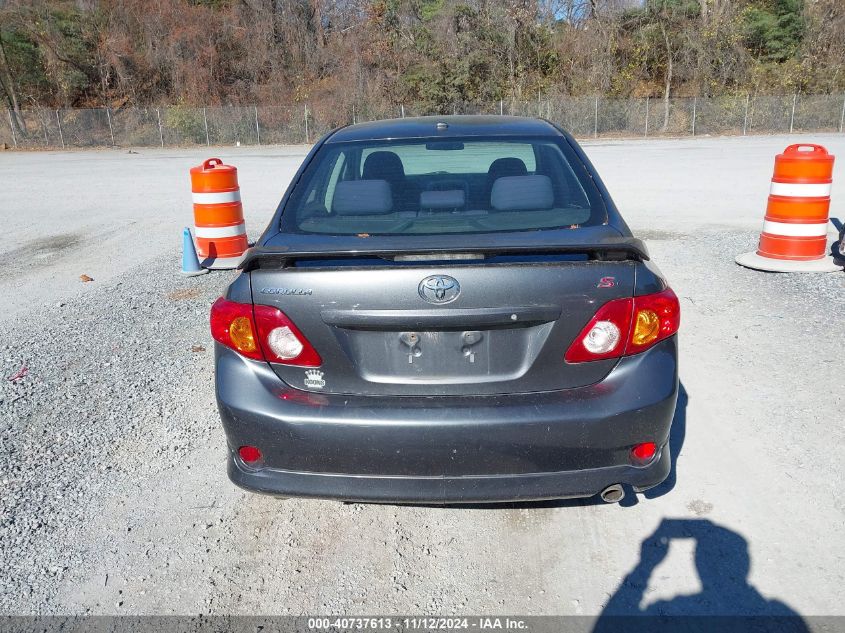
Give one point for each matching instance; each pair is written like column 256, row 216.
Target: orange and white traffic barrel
column 795, row 227
column 218, row 214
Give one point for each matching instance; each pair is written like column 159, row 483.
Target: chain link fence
column 584, row 117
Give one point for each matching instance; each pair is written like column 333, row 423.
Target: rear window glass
column 474, row 158
column 436, row 186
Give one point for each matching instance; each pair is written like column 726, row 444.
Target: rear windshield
column 436, row 186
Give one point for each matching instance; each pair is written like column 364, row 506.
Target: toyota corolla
column 444, row 310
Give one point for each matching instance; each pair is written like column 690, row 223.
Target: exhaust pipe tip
column 613, row 493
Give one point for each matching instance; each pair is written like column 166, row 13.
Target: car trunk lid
column 441, row 323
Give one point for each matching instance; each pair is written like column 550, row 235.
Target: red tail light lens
column 623, row 327
column 282, row 341
column 605, row 335
column 261, row 333
column 656, row 317
column 232, row 326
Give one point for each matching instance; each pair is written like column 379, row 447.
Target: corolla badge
column 439, row 289
column 286, row 291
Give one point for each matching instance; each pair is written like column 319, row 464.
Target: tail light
column 622, row 327
column 656, row 317
column 233, row 326
column 262, row 333
column 281, row 340
column 614, row 317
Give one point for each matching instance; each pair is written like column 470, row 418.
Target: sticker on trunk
column 314, row 379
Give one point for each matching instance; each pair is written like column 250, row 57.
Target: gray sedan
column 446, row 310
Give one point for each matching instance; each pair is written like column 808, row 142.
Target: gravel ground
column 114, row 493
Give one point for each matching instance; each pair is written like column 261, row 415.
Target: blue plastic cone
column 190, row 263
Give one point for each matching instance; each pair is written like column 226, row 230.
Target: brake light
column 613, row 315
column 282, row 341
column 261, row 333
column 623, row 327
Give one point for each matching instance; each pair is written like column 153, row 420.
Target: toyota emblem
column 439, row 289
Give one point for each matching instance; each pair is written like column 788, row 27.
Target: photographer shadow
column 723, row 562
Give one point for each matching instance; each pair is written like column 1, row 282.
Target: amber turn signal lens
column 646, row 327
column 240, row 331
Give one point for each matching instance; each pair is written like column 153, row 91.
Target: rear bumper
column 571, row 443
column 467, row 489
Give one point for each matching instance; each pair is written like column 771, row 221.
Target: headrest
column 362, row 197
column 517, row 193
column 449, row 199
column 509, row 166
column 383, row 165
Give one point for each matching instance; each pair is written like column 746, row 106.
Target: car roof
column 455, row 126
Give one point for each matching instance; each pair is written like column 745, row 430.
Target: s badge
column 606, row 282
